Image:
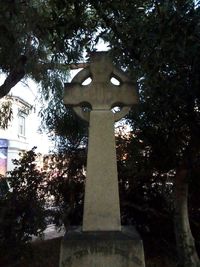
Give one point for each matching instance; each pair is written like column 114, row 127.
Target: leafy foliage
column 145, row 194
column 65, row 129
column 22, row 208
column 65, row 176
column 5, row 113
column 43, row 38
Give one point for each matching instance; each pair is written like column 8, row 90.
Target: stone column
column 101, row 208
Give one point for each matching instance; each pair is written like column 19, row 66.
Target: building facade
column 22, row 131
column 18, row 136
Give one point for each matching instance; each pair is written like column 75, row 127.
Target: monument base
column 102, row 249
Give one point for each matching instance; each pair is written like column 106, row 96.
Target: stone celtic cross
column 101, row 204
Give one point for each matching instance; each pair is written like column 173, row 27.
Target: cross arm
column 75, row 94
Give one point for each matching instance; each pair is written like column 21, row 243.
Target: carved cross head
column 101, row 93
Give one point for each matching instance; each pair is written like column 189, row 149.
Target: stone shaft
column 101, row 205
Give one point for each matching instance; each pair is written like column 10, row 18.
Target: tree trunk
column 184, row 240
column 15, row 75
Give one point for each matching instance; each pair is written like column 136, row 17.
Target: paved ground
column 50, row 233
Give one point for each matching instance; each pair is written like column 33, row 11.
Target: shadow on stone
column 102, row 249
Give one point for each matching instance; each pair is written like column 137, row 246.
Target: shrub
column 22, row 209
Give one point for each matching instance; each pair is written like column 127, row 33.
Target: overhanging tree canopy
column 39, row 38
column 156, row 41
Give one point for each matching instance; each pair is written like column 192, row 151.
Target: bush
column 22, row 209
column 65, row 182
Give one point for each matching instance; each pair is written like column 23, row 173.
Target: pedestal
column 102, row 249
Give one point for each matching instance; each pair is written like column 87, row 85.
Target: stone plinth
column 102, row 249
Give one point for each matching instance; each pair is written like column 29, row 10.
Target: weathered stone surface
column 102, row 249
column 101, row 94
column 101, row 205
column 101, row 242
column 101, row 209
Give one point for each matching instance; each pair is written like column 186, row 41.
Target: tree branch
column 78, row 66
column 61, row 66
column 18, row 72
column 15, row 75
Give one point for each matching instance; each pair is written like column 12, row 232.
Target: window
column 21, row 125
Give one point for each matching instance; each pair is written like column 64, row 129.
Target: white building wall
column 23, row 98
